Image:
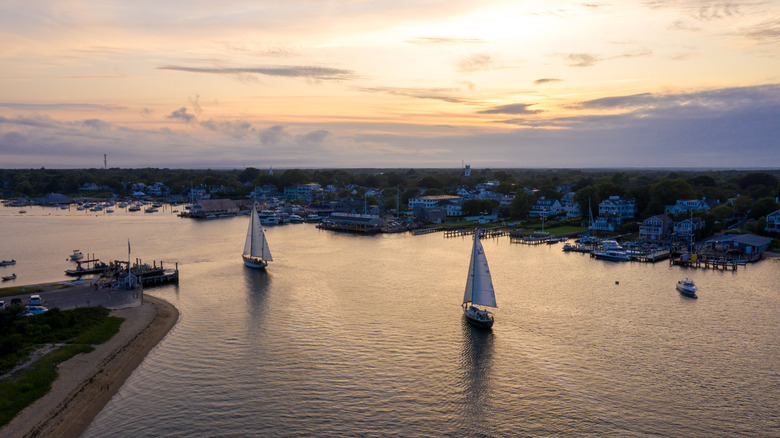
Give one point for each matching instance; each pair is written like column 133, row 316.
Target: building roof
column 747, row 239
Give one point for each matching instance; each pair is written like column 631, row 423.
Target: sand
column 87, row 382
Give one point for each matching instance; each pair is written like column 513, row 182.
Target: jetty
column 698, row 261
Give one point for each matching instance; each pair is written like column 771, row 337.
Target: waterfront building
column 687, row 227
column 544, row 208
column 773, row 222
column 302, row 191
column 623, row 208
column 570, row 206
column 747, row 244
column 655, row 228
column 603, row 223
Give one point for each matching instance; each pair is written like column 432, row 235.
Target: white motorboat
column 687, row 287
column 77, row 255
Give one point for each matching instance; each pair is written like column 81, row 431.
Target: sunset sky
column 422, row 83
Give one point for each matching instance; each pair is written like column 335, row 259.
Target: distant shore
column 87, row 382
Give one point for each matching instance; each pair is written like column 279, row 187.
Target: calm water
column 363, row 336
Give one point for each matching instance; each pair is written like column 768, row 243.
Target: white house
column 602, row 223
column 450, row 203
column 654, row 228
column 687, row 227
column 773, row 222
column 622, row 208
column 545, row 208
column 687, row 206
column 570, row 206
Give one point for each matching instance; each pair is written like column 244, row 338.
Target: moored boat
column 7, row 262
column 687, row 287
column 10, row 277
column 77, row 255
column 479, row 288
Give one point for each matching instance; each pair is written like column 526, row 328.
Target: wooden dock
column 705, row 262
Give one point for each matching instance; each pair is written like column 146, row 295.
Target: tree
column 293, row 177
column 668, row 191
column 762, row 207
column 248, row 175
column 521, row 205
column 722, row 212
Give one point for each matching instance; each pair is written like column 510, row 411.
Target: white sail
column 479, row 285
column 256, row 245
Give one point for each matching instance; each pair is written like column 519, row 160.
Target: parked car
column 2, row 305
column 35, row 310
column 35, row 300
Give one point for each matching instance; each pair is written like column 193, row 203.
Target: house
column 302, row 191
column 655, row 228
column 451, row 204
column 687, row 227
column 544, row 208
column 603, row 223
column 570, row 206
column 773, row 222
column 89, row 187
column 622, row 208
column 687, row 206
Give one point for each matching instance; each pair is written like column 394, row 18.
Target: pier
column 705, row 262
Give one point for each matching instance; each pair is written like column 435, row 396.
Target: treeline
column 755, row 191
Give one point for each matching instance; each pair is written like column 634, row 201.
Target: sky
column 401, row 84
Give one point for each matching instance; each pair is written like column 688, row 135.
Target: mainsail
column 479, row 285
column 256, row 245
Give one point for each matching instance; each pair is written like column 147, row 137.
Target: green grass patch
column 78, row 328
column 18, row 290
column 557, row 231
column 27, row 385
column 100, row 333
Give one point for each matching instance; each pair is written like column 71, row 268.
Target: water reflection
column 476, row 373
column 257, row 283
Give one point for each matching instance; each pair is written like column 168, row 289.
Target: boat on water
column 257, row 254
column 7, row 262
column 10, row 277
column 77, row 255
column 611, row 251
column 269, row 217
column 479, row 288
column 97, row 268
column 687, row 287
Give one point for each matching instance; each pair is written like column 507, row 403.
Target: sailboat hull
column 254, row 262
column 478, row 318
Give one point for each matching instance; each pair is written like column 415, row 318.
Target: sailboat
column 479, row 288
column 257, row 254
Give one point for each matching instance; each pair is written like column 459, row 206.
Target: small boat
column 257, row 254
column 7, row 262
column 151, row 210
column 10, row 277
column 479, row 288
column 77, row 255
column 97, row 268
column 687, row 288
column 612, row 251
column 134, row 208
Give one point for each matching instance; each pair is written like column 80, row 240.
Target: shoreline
column 87, row 382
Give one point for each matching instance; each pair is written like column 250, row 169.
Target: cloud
column 237, row 129
column 444, row 94
column 474, row 62
column 308, row 72
column 432, row 41
column 766, row 32
column 581, row 59
column 182, row 115
column 313, row 138
column 515, row 108
column 60, row 106
column 546, row 81
column 97, row 125
column 273, row 136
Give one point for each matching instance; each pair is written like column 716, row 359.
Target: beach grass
column 79, row 329
column 28, row 385
column 18, row 290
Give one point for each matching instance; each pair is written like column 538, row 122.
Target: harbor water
column 350, row 335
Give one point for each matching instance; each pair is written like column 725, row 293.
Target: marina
column 591, row 339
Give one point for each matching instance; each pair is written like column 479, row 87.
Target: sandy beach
column 87, row 382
